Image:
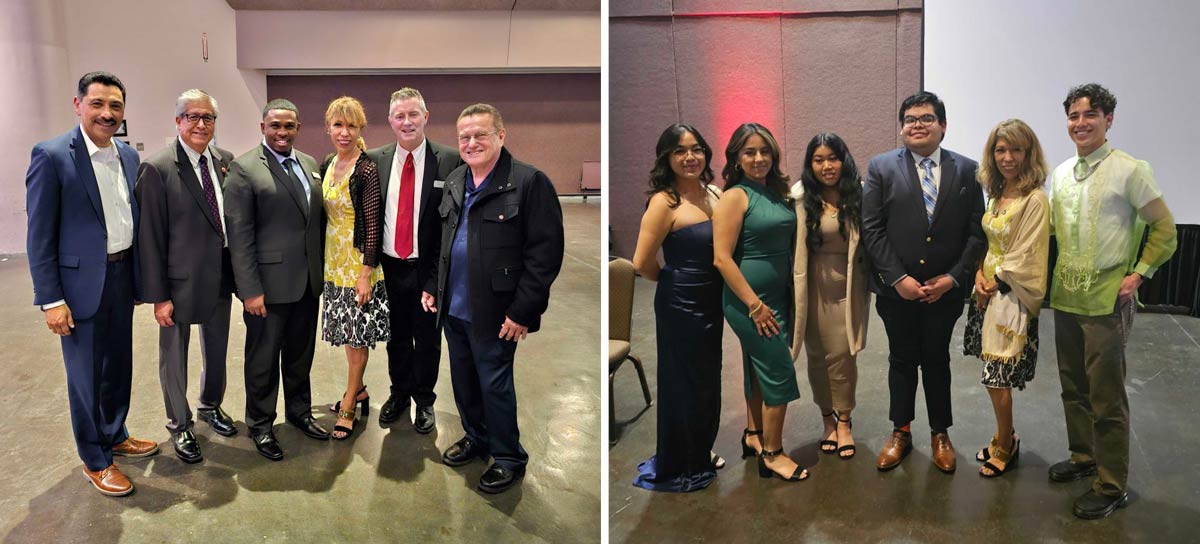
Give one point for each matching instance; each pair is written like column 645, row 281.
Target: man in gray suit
column 274, row 217
column 185, row 266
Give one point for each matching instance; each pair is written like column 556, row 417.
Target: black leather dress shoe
column 1093, row 505
column 425, row 421
column 267, row 446
column 393, row 407
column 1067, row 471
column 498, row 479
column 462, row 452
column 186, row 447
column 310, row 428
column 218, row 420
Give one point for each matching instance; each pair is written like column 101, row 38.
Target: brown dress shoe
column 894, row 451
column 943, row 453
column 109, row 481
column 133, row 447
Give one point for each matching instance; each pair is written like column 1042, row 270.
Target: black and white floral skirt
column 346, row 323
column 995, row 373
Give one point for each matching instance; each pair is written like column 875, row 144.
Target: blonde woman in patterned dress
column 1010, row 284
column 356, row 309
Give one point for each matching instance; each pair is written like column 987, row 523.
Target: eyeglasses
column 683, row 152
column 195, row 118
column 927, row 119
column 478, row 136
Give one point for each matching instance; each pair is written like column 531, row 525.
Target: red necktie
column 404, row 209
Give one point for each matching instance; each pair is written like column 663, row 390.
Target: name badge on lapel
column 439, row 183
column 315, row 175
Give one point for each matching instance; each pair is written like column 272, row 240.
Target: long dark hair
column 777, row 181
column 849, row 190
column 662, row 178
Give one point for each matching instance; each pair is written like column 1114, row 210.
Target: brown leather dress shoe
column 896, row 449
column 133, row 447
column 109, row 481
column 943, row 453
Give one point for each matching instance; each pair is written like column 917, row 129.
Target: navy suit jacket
column 67, row 238
column 897, row 234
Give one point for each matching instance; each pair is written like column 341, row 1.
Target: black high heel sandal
column 984, row 454
column 747, row 450
column 827, row 445
column 364, row 404
column 765, row 472
column 848, row 447
column 342, row 414
column 1009, row 460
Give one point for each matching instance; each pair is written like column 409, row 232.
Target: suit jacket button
column 922, row 261
column 928, row 239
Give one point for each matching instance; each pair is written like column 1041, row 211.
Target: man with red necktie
column 412, row 171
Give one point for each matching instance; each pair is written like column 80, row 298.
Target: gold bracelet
column 755, row 309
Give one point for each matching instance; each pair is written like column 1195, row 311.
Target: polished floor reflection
column 383, row 485
column 852, row 502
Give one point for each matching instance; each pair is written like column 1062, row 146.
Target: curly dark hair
column 777, row 181
column 849, row 190
column 662, row 178
column 1097, row 96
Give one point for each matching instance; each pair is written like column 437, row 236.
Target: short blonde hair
column 1033, row 172
column 350, row 110
column 481, row 109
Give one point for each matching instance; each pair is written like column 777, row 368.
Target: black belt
column 120, row 255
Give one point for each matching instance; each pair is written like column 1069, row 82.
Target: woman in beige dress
column 829, row 282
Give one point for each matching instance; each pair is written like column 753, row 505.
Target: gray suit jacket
column 275, row 242
column 179, row 237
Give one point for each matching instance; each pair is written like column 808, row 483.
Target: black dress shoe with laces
column 267, row 446
column 310, row 428
column 425, row 421
column 218, row 420
column 1068, row 471
column 186, row 447
column 392, row 408
column 462, row 452
column 498, row 479
column 1093, row 505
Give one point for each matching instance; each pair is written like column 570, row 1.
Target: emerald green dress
column 764, row 255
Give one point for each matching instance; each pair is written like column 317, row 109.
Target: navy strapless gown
column 687, row 308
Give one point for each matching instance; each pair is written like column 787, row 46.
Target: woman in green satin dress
column 754, row 227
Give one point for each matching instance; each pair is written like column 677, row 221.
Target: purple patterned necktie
column 210, row 195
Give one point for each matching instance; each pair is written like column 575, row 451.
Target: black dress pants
column 415, row 348
column 919, row 338
column 283, row 341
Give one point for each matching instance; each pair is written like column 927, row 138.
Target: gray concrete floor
column 852, row 502
column 384, row 485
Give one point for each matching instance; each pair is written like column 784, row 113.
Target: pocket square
column 439, row 183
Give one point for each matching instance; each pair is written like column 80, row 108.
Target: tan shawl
column 1022, row 267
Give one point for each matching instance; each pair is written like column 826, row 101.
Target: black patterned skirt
column 347, row 323
column 995, row 373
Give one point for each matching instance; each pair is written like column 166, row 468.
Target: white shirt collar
column 192, row 155
column 418, row 153
column 279, row 157
column 93, row 148
column 936, row 156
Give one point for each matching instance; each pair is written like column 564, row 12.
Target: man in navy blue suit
column 82, row 256
column 922, row 209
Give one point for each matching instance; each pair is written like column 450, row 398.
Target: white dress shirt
column 212, row 173
column 391, row 203
column 937, row 166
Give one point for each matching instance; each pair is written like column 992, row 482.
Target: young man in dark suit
column 921, row 224
column 412, row 174
column 186, row 270
column 83, row 258
column 275, row 221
